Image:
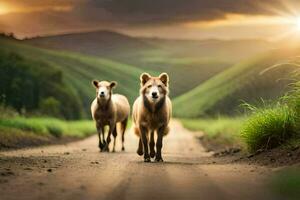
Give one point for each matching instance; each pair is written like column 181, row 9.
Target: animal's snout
column 102, row 94
column 154, row 95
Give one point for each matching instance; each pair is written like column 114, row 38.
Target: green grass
column 277, row 124
column 223, row 93
column 50, row 126
column 269, row 127
column 223, row 128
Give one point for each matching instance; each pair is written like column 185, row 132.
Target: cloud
column 36, row 17
column 143, row 12
column 146, row 12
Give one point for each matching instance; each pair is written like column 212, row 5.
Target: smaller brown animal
column 109, row 109
column 152, row 111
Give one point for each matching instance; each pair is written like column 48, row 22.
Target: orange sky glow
column 59, row 16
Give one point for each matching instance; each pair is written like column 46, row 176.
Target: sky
column 182, row 19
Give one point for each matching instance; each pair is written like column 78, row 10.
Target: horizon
column 57, row 34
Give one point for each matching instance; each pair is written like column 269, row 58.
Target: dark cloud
column 176, row 11
column 44, row 17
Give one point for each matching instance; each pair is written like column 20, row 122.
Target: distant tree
column 33, row 86
column 50, row 106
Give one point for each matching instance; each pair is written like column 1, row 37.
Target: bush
column 50, row 107
column 269, row 127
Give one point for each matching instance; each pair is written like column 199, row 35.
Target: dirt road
column 79, row 171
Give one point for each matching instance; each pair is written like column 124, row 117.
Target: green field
column 244, row 82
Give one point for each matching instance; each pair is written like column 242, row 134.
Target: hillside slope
column 33, row 86
column 79, row 70
column 223, row 93
column 188, row 62
column 120, row 46
column 97, row 43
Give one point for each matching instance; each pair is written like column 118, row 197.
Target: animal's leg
column 108, row 139
column 115, row 136
column 144, row 132
column 140, row 150
column 103, row 137
column 100, row 132
column 159, row 144
column 151, row 144
column 123, row 129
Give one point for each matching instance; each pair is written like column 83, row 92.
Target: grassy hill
column 78, row 70
column 98, row 43
column 124, row 48
column 226, row 50
column 245, row 81
column 188, row 62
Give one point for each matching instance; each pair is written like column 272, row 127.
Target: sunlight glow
column 242, row 20
column 4, row 9
column 298, row 23
column 7, row 9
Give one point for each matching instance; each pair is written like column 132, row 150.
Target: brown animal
column 109, row 109
column 152, row 111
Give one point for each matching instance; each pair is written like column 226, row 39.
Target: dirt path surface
column 79, row 171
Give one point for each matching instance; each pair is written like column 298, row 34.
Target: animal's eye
column 159, row 86
column 149, row 86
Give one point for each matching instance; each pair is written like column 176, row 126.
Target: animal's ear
column 144, row 78
column 95, row 83
column 113, row 84
column 164, row 77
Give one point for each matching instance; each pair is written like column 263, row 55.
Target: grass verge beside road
column 223, row 131
column 19, row 131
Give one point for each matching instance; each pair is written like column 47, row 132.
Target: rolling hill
column 245, row 81
column 137, row 49
column 98, row 43
column 79, row 70
column 188, row 62
column 202, row 79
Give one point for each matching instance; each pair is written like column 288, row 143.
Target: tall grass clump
column 269, row 127
column 293, row 100
column 272, row 126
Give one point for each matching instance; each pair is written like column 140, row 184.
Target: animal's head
column 154, row 88
column 104, row 89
